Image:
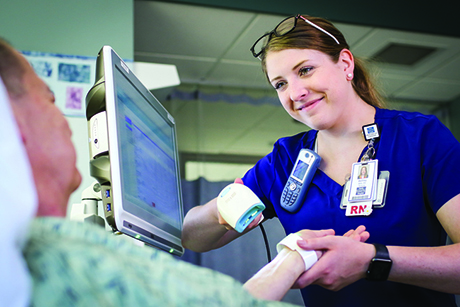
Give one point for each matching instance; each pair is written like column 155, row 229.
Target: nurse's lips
column 308, row 104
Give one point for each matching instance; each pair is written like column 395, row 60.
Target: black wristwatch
column 380, row 265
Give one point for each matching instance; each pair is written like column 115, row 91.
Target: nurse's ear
column 347, row 63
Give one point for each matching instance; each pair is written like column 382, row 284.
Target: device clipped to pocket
column 239, row 206
column 296, row 187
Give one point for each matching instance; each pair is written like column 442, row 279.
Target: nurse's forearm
column 274, row 280
column 436, row 268
column 202, row 231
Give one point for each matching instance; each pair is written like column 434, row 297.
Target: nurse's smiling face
column 311, row 87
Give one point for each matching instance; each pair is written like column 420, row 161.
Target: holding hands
column 287, row 269
column 337, row 264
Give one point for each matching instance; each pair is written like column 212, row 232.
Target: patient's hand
column 358, row 234
column 341, row 245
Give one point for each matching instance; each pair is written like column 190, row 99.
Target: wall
column 74, row 28
column 454, row 120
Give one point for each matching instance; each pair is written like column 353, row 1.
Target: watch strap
column 381, row 251
column 290, row 241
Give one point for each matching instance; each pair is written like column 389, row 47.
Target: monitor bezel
column 124, row 221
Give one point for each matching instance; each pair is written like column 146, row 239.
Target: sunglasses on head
column 284, row 27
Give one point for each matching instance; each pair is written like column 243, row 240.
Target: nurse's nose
column 298, row 91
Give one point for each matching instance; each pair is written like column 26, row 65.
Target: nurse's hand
column 344, row 260
column 252, row 225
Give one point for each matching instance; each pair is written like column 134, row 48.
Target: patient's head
column 45, row 133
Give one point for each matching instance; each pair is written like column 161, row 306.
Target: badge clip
column 371, row 132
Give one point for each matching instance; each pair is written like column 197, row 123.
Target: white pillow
column 18, row 205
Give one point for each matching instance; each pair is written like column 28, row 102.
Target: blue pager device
column 296, row 187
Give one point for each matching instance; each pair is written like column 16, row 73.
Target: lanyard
column 370, row 152
column 371, row 133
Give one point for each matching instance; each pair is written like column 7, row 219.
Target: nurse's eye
column 305, row 70
column 279, row 85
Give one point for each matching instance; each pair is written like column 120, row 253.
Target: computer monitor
column 134, row 156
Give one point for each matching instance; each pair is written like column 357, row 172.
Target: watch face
column 379, row 269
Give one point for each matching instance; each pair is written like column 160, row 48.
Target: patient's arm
column 274, row 280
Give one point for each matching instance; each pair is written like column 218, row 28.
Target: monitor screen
column 134, row 156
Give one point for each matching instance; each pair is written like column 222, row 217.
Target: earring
column 350, row 76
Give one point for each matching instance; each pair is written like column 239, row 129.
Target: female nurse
column 409, row 204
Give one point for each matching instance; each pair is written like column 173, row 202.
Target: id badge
column 363, row 181
column 362, row 208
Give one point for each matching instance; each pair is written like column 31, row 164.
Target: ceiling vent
column 401, row 54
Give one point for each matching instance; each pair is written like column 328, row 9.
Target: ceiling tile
column 186, row 29
column 353, row 33
column 391, row 83
column 449, row 71
column 190, row 70
column 259, row 25
column 379, row 39
column 230, row 73
column 431, row 89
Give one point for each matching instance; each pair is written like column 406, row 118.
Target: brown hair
column 11, row 69
column 305, row 36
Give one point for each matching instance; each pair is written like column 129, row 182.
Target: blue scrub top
column 423, row 159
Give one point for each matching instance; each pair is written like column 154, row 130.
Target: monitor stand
column 87, row 210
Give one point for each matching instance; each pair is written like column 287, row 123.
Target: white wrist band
column 309, row 257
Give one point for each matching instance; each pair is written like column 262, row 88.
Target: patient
column 15, row 284
column 76, row 264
